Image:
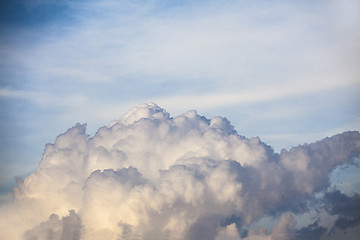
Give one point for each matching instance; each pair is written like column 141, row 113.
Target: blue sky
column 286, row 71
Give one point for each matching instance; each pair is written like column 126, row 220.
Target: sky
column 284, row 71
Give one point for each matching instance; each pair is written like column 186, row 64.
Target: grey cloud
column 344, row 208
column 347, row 208
column 311, row 232
column 51, row 229
column 69, row 228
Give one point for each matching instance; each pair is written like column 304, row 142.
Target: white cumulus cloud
column 152, row 176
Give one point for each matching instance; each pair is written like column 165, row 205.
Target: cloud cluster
column 152, row 176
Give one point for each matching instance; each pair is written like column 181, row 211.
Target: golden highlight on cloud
column 152, row 176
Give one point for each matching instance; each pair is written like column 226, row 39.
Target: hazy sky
column 286, row 71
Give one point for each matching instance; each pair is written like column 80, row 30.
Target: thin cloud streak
column 253, row 96
column 43, row 99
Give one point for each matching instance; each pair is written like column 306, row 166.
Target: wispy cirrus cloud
column 43, row 99
column 237, row 44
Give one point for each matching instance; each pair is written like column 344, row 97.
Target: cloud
column 55, row 229
column 212, row 43
column 311, row 232
column 345, row 207
column 152, row 176
column 229, row 232
column 283, row 230
column 344, row 211
column 270, row 93
column 43, row 99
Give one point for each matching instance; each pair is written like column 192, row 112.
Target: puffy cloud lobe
column 68, row 228
column 230, row 232
column 283, row 230
column 152, row 176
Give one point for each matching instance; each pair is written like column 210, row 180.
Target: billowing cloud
column 152, row 176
